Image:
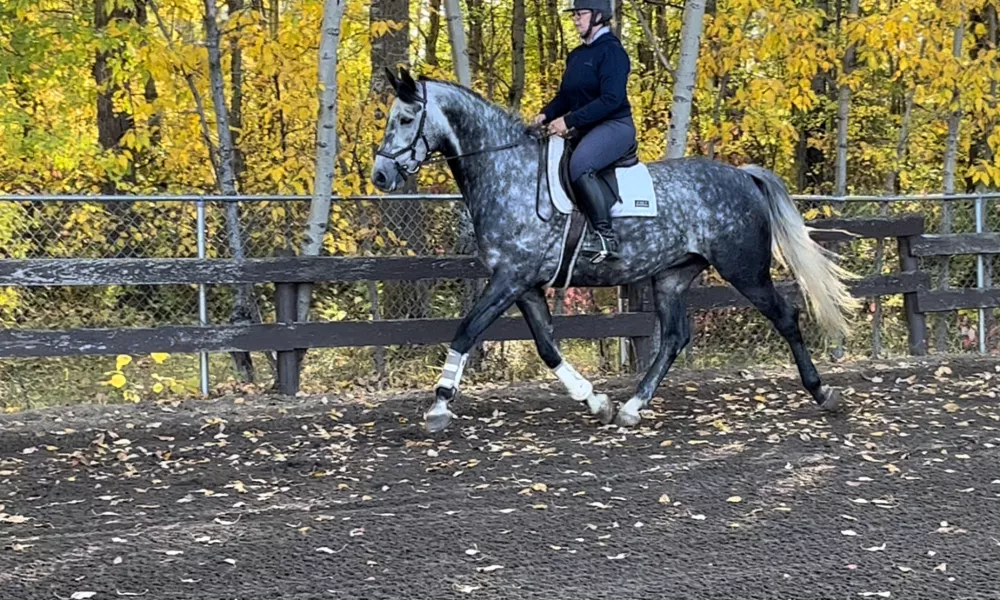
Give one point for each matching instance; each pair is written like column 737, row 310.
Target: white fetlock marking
column 451, row 373
column 578, row 387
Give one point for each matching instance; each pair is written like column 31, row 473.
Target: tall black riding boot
column 590, row 198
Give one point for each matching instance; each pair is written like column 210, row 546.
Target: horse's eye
column 405, row 120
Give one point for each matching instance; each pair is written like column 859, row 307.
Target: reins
column 542, row 137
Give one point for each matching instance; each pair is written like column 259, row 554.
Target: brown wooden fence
column 287, row 337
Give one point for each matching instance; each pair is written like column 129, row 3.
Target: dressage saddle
column 607, row 175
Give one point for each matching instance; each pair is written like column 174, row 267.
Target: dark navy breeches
column 601, row 146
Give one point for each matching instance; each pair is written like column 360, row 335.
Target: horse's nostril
column 380, row 178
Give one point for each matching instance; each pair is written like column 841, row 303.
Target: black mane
column 512, row 116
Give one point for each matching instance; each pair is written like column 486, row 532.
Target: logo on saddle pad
column 632, row 184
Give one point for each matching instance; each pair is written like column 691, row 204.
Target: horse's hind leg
column 753, row 280
column 670, row 295
column 535, row 309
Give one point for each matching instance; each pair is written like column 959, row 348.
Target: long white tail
column 820, row 279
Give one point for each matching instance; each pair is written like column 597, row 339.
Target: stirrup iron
column 605, row 252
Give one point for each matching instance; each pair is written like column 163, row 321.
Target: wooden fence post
column 640, row 356
column 916, row 324
column 286, row 308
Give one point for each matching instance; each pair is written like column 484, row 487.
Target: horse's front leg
column 500, row 294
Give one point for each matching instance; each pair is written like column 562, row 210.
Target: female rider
column 592, row 102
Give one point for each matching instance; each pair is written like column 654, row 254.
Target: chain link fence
column 269, row 226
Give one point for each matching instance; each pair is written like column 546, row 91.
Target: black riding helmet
column 594, row 6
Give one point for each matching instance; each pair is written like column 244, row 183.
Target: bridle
column 411, row 148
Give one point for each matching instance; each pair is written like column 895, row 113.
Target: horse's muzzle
column 384, row 175
column 381, row 181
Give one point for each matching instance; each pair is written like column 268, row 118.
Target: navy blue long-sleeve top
column 593, row 88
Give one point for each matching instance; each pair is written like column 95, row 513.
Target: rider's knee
column 579, row 168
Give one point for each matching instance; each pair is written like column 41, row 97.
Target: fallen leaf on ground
column 489, row 569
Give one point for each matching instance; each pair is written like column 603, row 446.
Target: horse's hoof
column 436, row 421
column 627, row 419
column 831, row 398
column 600, row 406
column 629, row 416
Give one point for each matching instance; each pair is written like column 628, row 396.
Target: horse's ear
column 406, row 79
column 393, row 81
column 407, row 90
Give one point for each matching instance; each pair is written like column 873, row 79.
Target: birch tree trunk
column 687, row 65
column 326, row 143
column 244, row 310
column 459, row 47
column 843, row 113
column 990, row 16
column 843, row 110
column 950, row 155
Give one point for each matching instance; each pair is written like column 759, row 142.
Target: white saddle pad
column 635, row 187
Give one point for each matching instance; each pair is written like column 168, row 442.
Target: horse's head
column 412, row 132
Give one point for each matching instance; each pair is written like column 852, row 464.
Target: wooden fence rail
column 287, row 337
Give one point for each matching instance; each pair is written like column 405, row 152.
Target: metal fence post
column 622, row 342
column 202, row 296
column 980, row 277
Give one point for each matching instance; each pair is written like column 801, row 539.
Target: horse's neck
column 485, row 178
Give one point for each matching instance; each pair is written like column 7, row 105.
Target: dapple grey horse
column 709, row 213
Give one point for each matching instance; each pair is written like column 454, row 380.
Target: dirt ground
column 734, row 486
